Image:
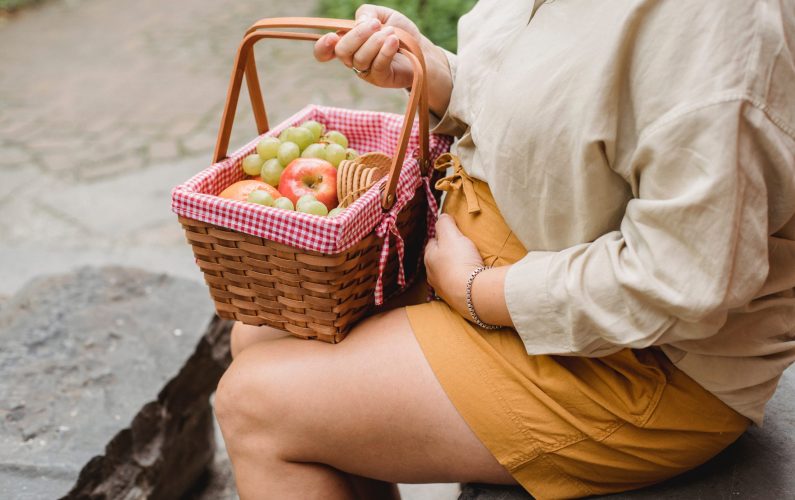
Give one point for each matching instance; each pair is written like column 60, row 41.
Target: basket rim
column 306, row 231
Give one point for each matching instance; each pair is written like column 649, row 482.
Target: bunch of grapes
column 307, row 141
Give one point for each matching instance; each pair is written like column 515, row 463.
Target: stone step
column 105, row 379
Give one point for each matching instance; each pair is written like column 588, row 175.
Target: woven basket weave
column 309, row 293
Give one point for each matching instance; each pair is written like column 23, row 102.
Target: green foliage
column 10, row 5
column 437, row 19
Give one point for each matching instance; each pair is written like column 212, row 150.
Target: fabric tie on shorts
column 457, row 180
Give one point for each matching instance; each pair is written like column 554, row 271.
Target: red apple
column 310, row 176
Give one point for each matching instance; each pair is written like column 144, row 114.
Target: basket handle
column 245, row 65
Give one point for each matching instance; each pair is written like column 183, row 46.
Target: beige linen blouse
column 643, row 151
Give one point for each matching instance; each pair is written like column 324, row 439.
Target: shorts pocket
column 598, row 395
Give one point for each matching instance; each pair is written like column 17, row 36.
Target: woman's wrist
column 439, row 77
column 488, row 296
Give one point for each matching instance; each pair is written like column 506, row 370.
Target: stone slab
column 83, row 353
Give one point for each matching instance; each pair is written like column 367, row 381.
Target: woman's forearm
column 488, row 296
column 440, row 82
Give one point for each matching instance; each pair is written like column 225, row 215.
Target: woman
column 638, row 307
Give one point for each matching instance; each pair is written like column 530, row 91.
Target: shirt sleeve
column 448, row 124
column 692, row 243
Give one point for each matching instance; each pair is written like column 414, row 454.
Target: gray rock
column 759, row 465
column 218, row 481
column 101, row 378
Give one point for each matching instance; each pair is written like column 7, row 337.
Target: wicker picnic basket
column 314, row 276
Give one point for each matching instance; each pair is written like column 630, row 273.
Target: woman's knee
column 248, row 396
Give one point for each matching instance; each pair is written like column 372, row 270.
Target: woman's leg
column 244, row 336
column 295, row 414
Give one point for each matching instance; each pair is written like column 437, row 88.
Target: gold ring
column 360, row 72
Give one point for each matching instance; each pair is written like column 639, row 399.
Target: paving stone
column 181, row 128
column 33, row 221
column 105, row 379
column 163, row 150
column 16, row 178
column 200, row 142
column 62, row 142
column 113, row 166
column 14, row 156
column 64, row 164
column 20, row 127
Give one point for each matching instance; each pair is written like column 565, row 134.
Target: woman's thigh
column 370, row 406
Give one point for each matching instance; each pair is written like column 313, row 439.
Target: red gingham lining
column 366, row 131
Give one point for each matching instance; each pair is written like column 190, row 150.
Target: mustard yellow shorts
column 565, row 427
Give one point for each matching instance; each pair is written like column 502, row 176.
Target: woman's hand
column 449, row 260
column 372, row 48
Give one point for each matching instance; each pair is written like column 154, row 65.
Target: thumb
column 446, row 228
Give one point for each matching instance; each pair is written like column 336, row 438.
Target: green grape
column 351, row 154
column 288, row 152
column 260, row 197
column 303, row 137
column 307, row 198
column 335, row 154
column 315, row 151
column 271, row 171
column 287, row 134
column 252, row 164
column 284, row 203
column 314, row 207
column 336, row 137
column 316, row 128
column 336, row 211
column 268, row 148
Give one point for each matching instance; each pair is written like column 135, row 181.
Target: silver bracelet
column 472, row 313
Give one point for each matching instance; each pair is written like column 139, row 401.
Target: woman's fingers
column 324, row 47
column 354, row 39
column 363, row 58
column 382, row 64
column 371, row 46
column 368, row 11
